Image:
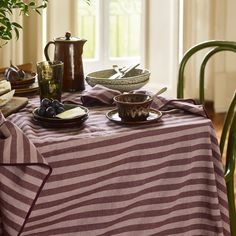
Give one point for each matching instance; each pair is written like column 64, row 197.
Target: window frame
column 102, row 59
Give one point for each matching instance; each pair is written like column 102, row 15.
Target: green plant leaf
column 16, row 25
column 24, row 7
column 17, row 33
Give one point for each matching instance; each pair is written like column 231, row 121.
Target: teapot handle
column 46, row 49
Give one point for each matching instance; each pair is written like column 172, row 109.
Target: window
column 113, row 31
column 122, row 32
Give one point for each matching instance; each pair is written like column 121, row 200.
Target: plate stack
column 21, row 78
column 25, row 86
column 6, row 93
column 56, row 122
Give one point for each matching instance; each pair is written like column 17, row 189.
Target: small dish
column 154, row 116
column 57, row 122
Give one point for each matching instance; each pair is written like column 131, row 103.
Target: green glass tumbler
column 50, row 77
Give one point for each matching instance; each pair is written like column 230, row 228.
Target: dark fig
column 50, row 112
column 60, row 110
column 21, row 73
column 42, row 111
column 46, row 102
column 12, row 66
column 12, row 74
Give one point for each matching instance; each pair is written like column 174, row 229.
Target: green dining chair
column 214, row 46
column 229, row 126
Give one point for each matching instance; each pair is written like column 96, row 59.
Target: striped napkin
column 21, row 167
column 100, row 95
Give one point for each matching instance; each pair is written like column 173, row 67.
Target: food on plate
column 71, row 113
column 55, row 109
column 50, row 108
column 14, row 73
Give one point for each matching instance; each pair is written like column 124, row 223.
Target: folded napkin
column 23, row 173
column 100, row 95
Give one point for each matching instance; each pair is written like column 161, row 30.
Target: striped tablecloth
column 106, row 179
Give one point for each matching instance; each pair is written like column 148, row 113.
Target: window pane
column 124, row 28
column 85, row 26
column 123, row 33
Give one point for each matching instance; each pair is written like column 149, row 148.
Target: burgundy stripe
column 203, row 228
column 125, row 185
column 33, row 172
column 139, row 227
column 128, row 172
column 144, row 133
column 13, row 154
column 130, row 228
column 14, row 209
column 26, row 150
column 11, row 192
column 132, row 159
column 1, row 150
column 110, row 154
column 18, row 180
column 137, row 214
column 11, row 223
column 136, row 204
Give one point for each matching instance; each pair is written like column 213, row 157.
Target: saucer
column 154, row 115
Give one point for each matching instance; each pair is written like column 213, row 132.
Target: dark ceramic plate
column 33, row 88
column 19, row 83
column 61, row 122
column 154, row 116
column 72, row 124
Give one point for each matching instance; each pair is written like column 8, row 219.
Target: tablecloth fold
column 23, row 172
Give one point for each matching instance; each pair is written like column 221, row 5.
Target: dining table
column 107, row 177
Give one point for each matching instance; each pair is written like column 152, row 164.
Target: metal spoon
column 162, row 90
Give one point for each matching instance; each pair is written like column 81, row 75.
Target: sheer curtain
column 208, row 20
column 14, row 49
column 37, row 30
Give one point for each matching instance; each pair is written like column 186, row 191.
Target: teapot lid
column 68, row 38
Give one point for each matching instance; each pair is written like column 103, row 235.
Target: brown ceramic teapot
column 69, row 50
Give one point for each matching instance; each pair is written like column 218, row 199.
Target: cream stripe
column 119, row 192
column 11, row 184
column 146, row 163
column 142, row 221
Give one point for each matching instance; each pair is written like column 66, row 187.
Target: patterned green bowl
column 133, row 80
